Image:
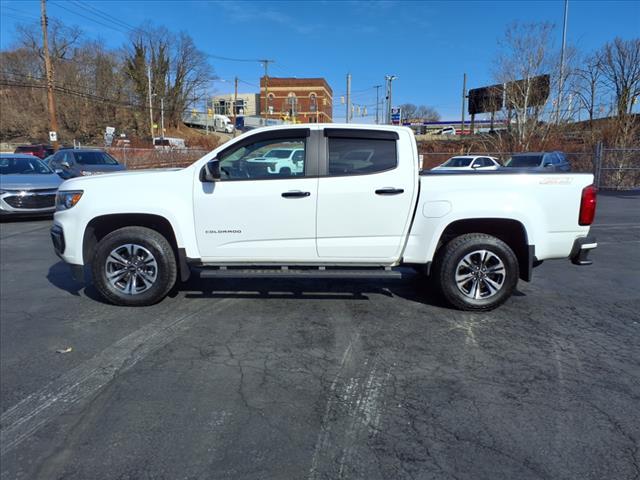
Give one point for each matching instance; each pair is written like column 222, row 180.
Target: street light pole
column 389, row 79
column 564, row 43
column 162, row 117
column 348, row 98
column 377, row 87
column 150, row 101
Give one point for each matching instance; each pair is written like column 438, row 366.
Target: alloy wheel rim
column 480, row 274
column 131, row 269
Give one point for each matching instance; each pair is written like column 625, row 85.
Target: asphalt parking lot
column 259, row 379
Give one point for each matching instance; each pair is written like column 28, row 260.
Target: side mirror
column 547, row 164
column 57, row 170
column 65, row 164
column 211, row 171
column 475, row 165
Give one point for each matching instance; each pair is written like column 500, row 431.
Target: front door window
column 268, row 159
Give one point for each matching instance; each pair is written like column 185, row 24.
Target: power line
column 112, row 27
column 105, row 15
column 21, row 18
column 15, row 10
column 230, row 59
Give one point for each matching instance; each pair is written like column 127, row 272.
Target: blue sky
column 428, row 45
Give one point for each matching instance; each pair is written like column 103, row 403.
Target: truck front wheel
column 476, row 272
column 134, row 266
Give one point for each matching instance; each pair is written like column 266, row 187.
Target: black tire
column 448, row 264
column 165, row 270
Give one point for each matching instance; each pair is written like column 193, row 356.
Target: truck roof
column 318, row 126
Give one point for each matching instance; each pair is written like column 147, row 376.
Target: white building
column 247, row 104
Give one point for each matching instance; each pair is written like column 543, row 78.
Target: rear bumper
column 581, row 249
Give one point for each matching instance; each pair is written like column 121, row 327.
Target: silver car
column 27, row 185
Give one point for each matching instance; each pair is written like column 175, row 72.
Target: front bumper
column 581, row 249
column 57, row 237
column 59, row 246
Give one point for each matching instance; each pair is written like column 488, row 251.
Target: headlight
column 67, row 199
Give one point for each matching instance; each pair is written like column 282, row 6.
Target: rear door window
column 358, row 156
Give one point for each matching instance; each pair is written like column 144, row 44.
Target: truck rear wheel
column 134, row 266
column 476, row 272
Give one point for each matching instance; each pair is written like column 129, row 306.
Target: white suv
column 289, row 161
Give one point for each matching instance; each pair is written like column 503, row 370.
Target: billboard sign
column 486, row 99
column 395, row 115
column 532, row 92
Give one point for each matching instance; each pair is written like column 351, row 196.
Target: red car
column 37, row 149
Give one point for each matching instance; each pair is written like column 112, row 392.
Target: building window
column 292, row 104
column 313, row 102
column 269, row 106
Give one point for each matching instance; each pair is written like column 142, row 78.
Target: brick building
column 303, row 100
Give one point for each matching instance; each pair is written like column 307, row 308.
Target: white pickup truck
column 344, row 213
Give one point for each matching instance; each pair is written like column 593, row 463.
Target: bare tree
column 419, row 112
column 588, row 78
column 526, row 53
column 619, row 62
column 179, row 71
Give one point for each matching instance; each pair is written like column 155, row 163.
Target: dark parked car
column 27, row 185
column 540, row 161
column 76, row 162
column 38, row 150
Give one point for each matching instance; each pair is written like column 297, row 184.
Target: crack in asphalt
column 25, row 418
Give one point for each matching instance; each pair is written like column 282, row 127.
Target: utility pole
column 464, row 96
column 235, row 104
column 389, row 79
column 348, row 98
column 206, row 112
column 266, row 63
column 564, row 42
column 377, row 87
column 162, row 117
column 150, row 101
column 51, row 101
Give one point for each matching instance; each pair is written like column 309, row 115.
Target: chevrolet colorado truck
column 341, row 214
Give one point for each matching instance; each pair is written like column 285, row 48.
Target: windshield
column 278, row 154
column 94, row 158
column 524, row 161
column 458, row 162
column 27, row 149
column 26, row 166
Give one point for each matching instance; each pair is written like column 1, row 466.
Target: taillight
column 588, row 205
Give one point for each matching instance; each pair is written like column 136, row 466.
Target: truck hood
column 128, row 175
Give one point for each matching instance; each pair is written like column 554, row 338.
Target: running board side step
column 287, row 272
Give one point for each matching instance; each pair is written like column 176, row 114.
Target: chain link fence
column 617, row 168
